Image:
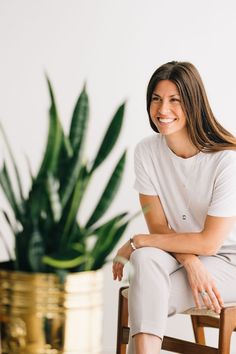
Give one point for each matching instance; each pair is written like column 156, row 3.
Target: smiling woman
column 185, row 175
column 166, row 110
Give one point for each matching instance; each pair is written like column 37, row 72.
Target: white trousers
column 159, row 288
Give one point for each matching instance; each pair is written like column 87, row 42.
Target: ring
column 203, row 293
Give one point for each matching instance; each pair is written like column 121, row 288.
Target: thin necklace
column 184, row 213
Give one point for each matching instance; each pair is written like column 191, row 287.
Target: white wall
column 115, row 46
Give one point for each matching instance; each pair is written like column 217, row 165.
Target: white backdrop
column 114, row 46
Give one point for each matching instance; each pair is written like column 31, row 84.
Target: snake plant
column 49, row 236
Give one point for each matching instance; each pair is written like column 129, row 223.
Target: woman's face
column 166, row 110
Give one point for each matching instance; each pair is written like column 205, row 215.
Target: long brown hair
column 205, row 132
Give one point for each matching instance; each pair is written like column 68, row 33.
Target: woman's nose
column 164, row 108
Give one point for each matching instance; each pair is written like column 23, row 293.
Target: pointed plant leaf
column 76, row 174
column 6, row 185
column 8, row 220
column 112, row 239
column 109, row 192
column 54, row 141
column 6, row 189
column 54, row 199
column 67, row 146
column 79, row 122
column 71, row 210
column 110, row 137
column 64, row 264
column 66, row 153
column 106, row 229
column 18, row 179
column 77, row 140
column 36, row 251
column 29, row 168
column 109, row 236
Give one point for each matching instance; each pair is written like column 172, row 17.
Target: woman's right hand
column 202, row 284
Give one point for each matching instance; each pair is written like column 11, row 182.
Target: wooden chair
column 225, row 322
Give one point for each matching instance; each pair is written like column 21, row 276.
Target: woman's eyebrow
column 175, row 94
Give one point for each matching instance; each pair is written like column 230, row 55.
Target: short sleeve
column 143, row 183
column 223, row 201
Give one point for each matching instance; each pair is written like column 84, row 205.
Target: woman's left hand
column 122, row 257
column 203, row 285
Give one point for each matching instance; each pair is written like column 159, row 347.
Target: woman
column 185, row 174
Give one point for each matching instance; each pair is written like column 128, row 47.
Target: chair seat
column 193, row 310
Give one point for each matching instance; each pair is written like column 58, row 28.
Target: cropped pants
column 159, row 288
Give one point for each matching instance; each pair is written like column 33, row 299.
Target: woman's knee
column 145, row 254
column 147, row 257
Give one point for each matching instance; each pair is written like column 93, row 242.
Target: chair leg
column 122, row 327
column 198, row 330
column 227, row 326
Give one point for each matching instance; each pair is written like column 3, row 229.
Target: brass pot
column 39, row 315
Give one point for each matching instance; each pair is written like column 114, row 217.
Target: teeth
column 166, row 120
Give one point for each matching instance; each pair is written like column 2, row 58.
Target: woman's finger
column 117, row 270
column 196, row 298
column 214, row 301
column 218, row 295
column 206, row 299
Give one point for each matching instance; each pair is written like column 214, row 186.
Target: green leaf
column 36, row 251
column 112, row 239
column 79, row 122
column 18, row 179
column 71, row 211
column 52, row 188
column 105, row 230
column 77, row 139
column 67, row 146
column 54, row 141
column 64, row 264
column 6, row 185
column 13, row 228
column 65, row 155
column 110, row 137
column 109, row 235
column 108, row 193
column 29, row 168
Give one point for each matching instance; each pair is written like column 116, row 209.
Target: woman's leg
column 147, row 343
column 148, row 298
column 159, row 288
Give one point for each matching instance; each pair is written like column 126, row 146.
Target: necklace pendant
column 184, row 217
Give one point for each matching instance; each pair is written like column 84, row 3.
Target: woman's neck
column 182, row 146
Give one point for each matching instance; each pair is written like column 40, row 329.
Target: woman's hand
column 120, row 259
column 203, row 285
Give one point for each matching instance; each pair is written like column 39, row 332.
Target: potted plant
column 50, row 291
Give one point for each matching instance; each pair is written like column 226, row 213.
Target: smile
column 166, row 121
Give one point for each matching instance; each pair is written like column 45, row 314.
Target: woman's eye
column 155, row 98
column 175, row 100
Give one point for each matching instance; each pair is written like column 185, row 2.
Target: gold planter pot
column 38, row 315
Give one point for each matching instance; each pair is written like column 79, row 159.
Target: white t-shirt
column 189, row 189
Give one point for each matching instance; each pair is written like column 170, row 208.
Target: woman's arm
column 206, row 242
column 162, row 236
column 157, row 223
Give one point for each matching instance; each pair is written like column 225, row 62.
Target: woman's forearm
column 182, row 258
column 193, row 243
